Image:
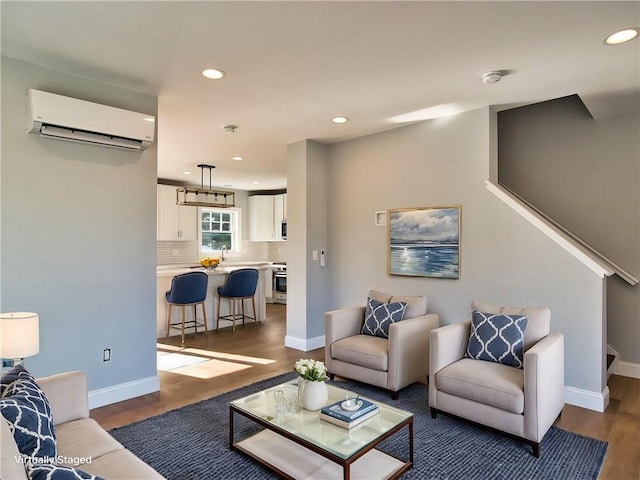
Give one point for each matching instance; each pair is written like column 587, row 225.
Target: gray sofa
column 77, row 436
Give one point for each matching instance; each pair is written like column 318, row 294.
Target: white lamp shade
column 19, row 334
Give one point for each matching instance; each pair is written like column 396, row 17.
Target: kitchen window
column 219, row 227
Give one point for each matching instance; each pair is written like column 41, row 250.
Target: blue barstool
column 241, row 284
column 187, row 289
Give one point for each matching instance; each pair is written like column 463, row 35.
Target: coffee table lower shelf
column 291, row 460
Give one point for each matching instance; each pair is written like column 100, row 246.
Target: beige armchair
column 391, row 363
column 523, row 402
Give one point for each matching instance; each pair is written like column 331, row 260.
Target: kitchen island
column 217, row 278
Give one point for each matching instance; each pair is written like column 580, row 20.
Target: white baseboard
column 586, row 398
column 627, row 369
column 123, row 391
column 304, row 344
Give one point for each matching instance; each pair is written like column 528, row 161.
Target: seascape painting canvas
column 425, row 242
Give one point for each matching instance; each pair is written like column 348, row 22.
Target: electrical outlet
column 106, row 355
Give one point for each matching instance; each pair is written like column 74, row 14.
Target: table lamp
column 19, row 335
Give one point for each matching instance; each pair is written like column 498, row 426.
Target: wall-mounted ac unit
column 66, row 118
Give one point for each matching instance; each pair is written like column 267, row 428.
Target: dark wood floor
column 259, row 352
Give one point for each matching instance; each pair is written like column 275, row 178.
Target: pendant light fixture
column 205, row 197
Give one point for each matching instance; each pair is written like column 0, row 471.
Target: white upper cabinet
column 175, row 222
column 279, row 213
column 261, row 218
column 266, row 213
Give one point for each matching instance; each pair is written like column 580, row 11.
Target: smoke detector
column 229, row 128
column 490, row 78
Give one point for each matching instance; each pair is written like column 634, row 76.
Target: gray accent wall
column 307, row 287
column 504, row 259
column 585, row 175
column 78, row 235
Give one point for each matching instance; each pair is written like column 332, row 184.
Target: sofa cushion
column 11, row 466
column 379, row 316
column 56, row 472
column 364, row 350
column 497, row 338
column 490, row 383
column 416, row 305
column 538, row 319
column 380, row 296
column 26, row 409
column 84, row 439
column 122, row 465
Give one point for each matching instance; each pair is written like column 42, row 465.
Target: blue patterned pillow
column 9, row 377
column 379, row 316
column 27, row 411
column 56, row 472
column 497, row 338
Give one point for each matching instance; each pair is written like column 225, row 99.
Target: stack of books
column 337, row 415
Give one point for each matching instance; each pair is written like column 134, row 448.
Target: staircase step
column 610, row 359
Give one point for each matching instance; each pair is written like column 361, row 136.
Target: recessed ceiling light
column 213, row 73
column 186, row 173
column 622, row 36
column 255, row 182
column 228, row 185
column 237, row 157
column 339, row 119
column 149, row 119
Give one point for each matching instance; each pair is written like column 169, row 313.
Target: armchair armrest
column 409, row 349
column 342, row 323
column 67, row 395
column 543, row 385
column 448, row 345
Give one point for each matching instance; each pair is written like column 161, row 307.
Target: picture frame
column 425, row 242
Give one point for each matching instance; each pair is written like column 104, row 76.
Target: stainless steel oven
column 279, row 283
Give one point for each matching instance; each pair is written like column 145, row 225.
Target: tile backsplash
column 187, row 252
column 177, row 252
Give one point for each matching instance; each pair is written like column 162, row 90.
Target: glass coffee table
column 300, row 445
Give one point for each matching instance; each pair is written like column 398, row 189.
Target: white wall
column 504, row 259
column 79, row 237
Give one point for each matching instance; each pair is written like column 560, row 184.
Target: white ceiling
column 291, row 66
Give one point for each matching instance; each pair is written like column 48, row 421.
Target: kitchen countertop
column 216, row 278
column 222, row 269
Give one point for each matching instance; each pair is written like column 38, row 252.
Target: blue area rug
column 192, row 443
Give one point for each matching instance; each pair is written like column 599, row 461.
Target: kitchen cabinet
column 266, row 213
column 279, row 214
column 175, row 222
column 261, row 218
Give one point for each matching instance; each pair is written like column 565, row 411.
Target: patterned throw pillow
column 497, row 338
column 56, row 472
column 9, row 377
column 27, row 411
column 379, row 316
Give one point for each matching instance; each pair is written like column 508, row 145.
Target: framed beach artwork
column 425, row 242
